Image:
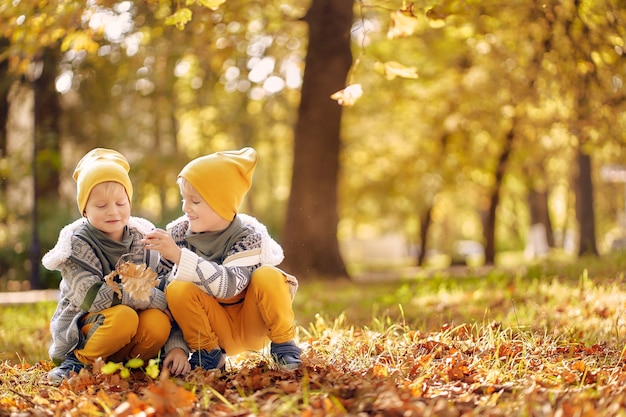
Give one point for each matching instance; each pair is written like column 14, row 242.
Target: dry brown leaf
column 166, row 397
column 137, row 279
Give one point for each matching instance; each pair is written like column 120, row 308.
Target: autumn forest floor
column 540, row 340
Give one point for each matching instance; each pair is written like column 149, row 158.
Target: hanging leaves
column 211, row 4
column 79, row 41
column 393, row 69
column 402, row 23
column 349, row 95
column 137, row 280
column 183, row 15
column 180, row 18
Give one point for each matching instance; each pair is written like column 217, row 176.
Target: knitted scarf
column 106, row 249
column 214, row 245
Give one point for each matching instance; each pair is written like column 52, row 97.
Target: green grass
column 582, row 298
column 24, row 331
column 577, row 297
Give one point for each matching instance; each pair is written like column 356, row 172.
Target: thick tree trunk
column 584, row 207
column 310, row 233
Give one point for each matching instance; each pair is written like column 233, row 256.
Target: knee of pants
column 179, row 292
column 124, row 320
column 155, row 323
column 266, row 277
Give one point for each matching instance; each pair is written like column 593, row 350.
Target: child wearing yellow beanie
column 225, row 291
column 91, row 321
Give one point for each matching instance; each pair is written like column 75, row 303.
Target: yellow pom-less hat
column 222, row 179
column 97, row 166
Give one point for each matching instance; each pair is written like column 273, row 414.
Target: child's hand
column 177, row 362
column 161, row 241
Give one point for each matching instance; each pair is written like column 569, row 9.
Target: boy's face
column 108, row 209
column 202, row 218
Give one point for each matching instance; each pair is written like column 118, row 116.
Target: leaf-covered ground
column 463, row 370
column 533, row 344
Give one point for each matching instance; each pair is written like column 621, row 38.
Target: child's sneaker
column 286, row 355
column 206, row 360
column 63, row 371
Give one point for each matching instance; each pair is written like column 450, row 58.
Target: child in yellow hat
column 91, row 321
column 224, row 290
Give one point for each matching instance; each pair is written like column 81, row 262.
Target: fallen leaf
column 167, row 397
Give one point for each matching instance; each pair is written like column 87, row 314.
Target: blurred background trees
column 482, row 135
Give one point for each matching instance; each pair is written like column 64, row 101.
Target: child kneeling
column 224, row 291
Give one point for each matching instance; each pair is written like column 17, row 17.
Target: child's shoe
column 63, row 371
column 207, row 360
column 286, row 355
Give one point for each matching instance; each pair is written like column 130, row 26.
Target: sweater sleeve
column 220, row 280
column 217, row 280
column 175, row 340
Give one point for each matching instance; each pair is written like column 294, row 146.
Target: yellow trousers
column 248, row 321
column 120, row 333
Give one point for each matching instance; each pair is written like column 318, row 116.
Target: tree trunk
column 490, row 221
column 310, row 233
column 46, row 152
column 541, row 236
column 425, row 223
column 579, row 35
column 540, row 213
column 5, row 85
column 584, row 207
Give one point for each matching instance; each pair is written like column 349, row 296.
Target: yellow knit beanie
column 222, row 179
column 97, row 166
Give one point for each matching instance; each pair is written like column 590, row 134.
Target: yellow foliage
column 211, row 4
column 79, row 41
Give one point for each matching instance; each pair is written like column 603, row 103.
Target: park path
column 34, row 296
column 26, row 297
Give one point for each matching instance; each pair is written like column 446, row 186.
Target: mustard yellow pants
column 120, row 333
column 248, row 321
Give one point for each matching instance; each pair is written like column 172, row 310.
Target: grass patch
column 24, row 331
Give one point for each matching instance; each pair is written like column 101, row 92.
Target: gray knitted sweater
column 83, row 290
column 229, row 276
